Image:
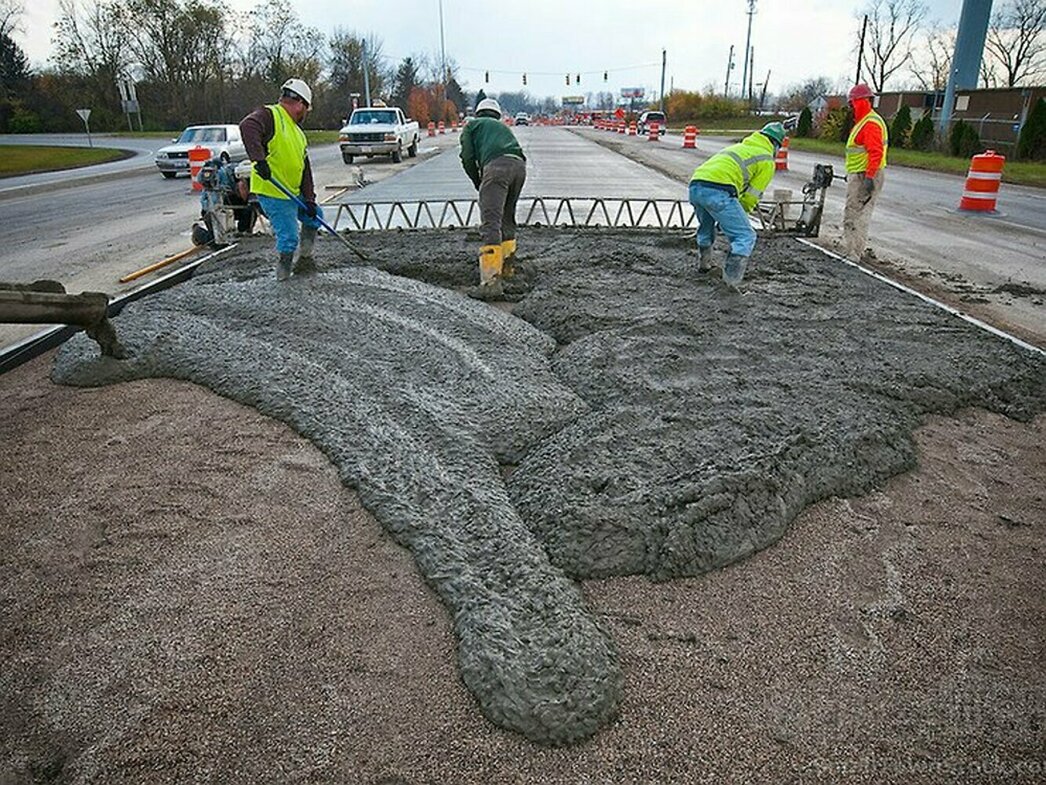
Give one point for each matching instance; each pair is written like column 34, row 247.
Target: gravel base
column 191, row 594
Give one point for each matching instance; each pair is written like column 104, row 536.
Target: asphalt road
column 89, row 227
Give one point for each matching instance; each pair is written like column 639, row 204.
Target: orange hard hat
column 860, row 91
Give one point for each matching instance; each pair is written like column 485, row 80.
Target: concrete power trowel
column 775, row 215
column 225, row 202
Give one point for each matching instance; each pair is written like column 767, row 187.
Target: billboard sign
column 633, row 92
column 573, row 99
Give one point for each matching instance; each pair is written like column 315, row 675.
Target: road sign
column 574, row 99
column 84, row 114
column 633, row 92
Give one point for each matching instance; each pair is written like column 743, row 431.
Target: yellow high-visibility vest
column 856, row 155
column 287, row 150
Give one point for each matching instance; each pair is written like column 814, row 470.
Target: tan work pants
column 857, row 214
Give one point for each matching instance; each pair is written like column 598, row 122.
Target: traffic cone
column 781, row 159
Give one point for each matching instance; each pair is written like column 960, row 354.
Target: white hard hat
column 489, row 105
column 298, row 87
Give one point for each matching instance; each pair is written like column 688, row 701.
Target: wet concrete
column 654, row 422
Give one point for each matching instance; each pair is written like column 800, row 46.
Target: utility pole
column 748, row 43
column 762, row 98
column 729, row 68
column 366, row 75
column 442, row 49
column 664, row 62
column 751, row 74
column 860, row 50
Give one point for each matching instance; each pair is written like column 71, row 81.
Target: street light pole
column 442, row 46
column 748, row 43
column 664, row 62
column 729, row 68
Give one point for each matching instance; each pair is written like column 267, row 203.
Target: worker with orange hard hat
column 865, row 161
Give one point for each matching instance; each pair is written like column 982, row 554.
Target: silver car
column 222, row 140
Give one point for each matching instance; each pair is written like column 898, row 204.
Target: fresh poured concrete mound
column 416, row 394
column 680, row 426
column 714, row 417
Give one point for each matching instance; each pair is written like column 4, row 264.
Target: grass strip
column 31, row 159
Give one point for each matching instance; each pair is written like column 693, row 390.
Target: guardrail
column 531, row 211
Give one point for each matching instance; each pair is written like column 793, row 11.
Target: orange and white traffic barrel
column 198, row 156
column 632, row 128
column 655, row 133
column 432, row 128
column 690, row 137
column 621, row 126
column 442, row 127
column 453, row 126
column 982, row 182
column 781, row 158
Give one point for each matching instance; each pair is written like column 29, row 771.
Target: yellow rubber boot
column 491, row 261
column 508, row 255
column 490, row 264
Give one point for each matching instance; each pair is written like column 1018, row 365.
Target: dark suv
column 647, row 119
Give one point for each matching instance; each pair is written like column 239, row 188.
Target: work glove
column 310, row 209
column 263, row 170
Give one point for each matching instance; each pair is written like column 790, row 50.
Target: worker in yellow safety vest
column 865, row 161
column 724, row 189
column 276, row 144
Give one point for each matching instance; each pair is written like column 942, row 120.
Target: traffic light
column 578, row 80
column 568, row 78
column 486, row 77
column 524, row 78
column 604, row 76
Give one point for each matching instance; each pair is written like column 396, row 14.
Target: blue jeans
column 284, row 215
column 713, row 206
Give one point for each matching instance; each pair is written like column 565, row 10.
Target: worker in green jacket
column 724, row 189
column 495, row 163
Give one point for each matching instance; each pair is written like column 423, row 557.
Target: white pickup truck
column 379, row 130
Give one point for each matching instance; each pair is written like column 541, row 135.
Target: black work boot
column 704, row 257
column 283, row 266
column 305, row 263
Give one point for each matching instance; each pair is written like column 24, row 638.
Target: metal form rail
column 569, row 211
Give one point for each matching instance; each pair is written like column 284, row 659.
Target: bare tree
column 281, row 46
column 90, row 41
column 10, row 16
column 1016, row 42
column 989, row 73
column 349, row 52
column 892, row 25
column 930, row 71
column 795, row 97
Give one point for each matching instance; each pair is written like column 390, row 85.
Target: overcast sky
column 793, row 39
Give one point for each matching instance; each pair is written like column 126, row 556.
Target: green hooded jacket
column 748, row 166
column 482, row 140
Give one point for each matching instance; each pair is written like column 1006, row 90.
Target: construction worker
column 865, row 162
column 724, row 189
column 276, row 144
column 495, row 163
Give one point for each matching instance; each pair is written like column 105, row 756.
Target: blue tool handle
column 297, row 200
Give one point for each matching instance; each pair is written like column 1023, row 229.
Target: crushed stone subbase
column 630, row 416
